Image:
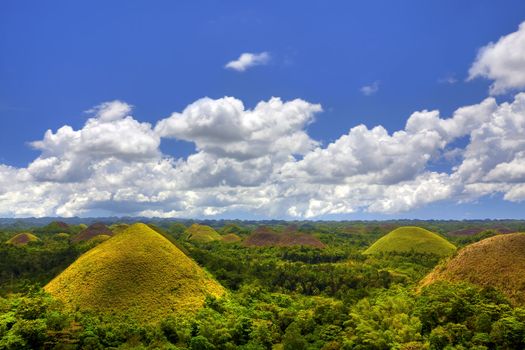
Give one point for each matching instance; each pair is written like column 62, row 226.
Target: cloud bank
column 263, row 161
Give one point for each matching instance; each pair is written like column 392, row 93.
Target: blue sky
column 61, row 58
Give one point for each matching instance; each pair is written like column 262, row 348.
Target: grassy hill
column 231, row 238
column 138, row 272
column 412, row 238
column 202, row 233
column 92, row 231
column 471, row 231
column 118, row 228
column 497, row 261
column 23, row 238
column 266, row 237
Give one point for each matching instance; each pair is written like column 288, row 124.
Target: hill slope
column 497, row 261
column 202, row 233
column 92, row 231
column 265, row 237
column 23, row 238
column 411, row 238
column 138, row 272
column 231, row 238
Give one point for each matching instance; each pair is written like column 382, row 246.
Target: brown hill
column 92, row 231
column 498, row 262
column 470, row 231
column 266, row 237
column 22, row 239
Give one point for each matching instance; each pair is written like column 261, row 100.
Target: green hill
column 202, row 233
column 137, row 272
column 264, row 236
column 411, row 238
column 23, row 238
column 231, row 238
column 497, row 262
column 99, row 238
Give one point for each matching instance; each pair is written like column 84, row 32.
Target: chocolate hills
column 412, row 239
column 137, row 272
column 23, row 238
column 498, row 261
column 231, row 238
column 266, row 237
column 202, row 233
column 92, row 231
column 470, row 231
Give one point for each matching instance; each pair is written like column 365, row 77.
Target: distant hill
column 498, row 262
column 137, row 272
column 266, row 237
column 412, row 238
column 23, row 238
column 470, row 231
column 92, row 231
column 118, row 228
column 55, row 227
column 202, row 233
column 231, row 238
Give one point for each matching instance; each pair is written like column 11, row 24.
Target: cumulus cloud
column 224, row 127
column 369, row 90
column 71, row 155
column 503, row 62
column 248, row 60
column 263, row 161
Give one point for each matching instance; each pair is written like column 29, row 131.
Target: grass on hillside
column 202, row 233
column 266, row 237
column 22, row 239
column 91, row 232
column 412, row 239
column 137, row 272
column 231, row 238
column 498, row 262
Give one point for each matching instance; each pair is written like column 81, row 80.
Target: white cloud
column 225, row 128
column 248, row 60
column 369, row 90
column 69, row 155
column 503, row 62
column 263, row 161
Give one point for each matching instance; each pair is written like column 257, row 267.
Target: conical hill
column 202, row 233
column 412, row 239
column 23, row 238
column 497, row 262
column 138, row 273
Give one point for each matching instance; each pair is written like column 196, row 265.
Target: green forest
column 263, row 285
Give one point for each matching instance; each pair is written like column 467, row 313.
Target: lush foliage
column 278, row 297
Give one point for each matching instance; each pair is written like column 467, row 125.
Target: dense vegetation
column 278, row 297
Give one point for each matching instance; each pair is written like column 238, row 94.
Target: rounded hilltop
column 202, row 233
column 231, row 238
column 411, row 239
column 137, row 272
column 498, row 262
column 22, row 239
column 266, row 237
column 92, row 231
